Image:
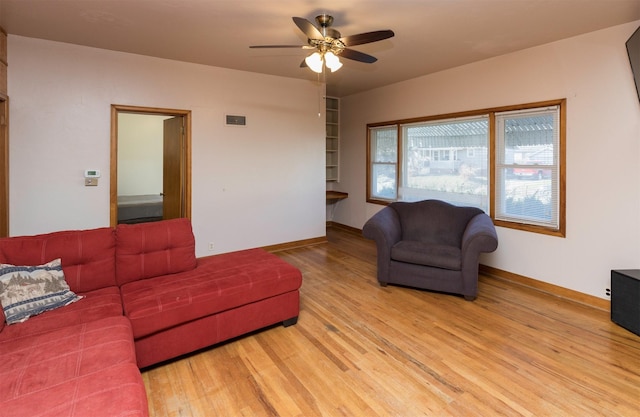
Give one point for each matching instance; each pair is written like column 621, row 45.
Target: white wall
column 252, row 186
column 603, row 150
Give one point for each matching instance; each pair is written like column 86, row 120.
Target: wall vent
column 232, row 120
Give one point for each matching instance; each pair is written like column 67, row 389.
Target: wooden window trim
column 491, row 112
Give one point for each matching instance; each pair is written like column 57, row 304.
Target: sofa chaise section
column 178, row 304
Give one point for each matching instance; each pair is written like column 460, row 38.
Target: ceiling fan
column 329, row 44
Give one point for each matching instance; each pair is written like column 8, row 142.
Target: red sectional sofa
column 146, row 298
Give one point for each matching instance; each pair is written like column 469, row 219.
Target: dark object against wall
column 633, row 49
column 625, row 299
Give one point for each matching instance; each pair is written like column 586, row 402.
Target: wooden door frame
column 4, row 167
column 115, row 110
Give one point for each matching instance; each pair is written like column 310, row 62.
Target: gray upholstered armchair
column 431, row 245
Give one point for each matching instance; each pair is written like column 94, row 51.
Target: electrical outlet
column 211, row 246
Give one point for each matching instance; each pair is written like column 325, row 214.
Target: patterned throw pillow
column 29, row 290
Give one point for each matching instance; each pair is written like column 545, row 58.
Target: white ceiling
column 430, row 35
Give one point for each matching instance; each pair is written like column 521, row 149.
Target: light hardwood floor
column 363, row 350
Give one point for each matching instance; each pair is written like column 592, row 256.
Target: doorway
column 150, row 164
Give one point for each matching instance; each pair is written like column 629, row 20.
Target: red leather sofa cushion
column 86, row 369
column 219, row 283
column 95, row 305
column 87, row 255
column 117, row 391
column 148, row 250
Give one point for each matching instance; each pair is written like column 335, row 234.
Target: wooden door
column 173, row 172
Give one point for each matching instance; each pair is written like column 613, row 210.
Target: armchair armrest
column 480, row 235
column 384, row 226
column 385, row 229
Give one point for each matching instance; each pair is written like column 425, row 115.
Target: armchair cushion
column 429, row 254
column 434, row 221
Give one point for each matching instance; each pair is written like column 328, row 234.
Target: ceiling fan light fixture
column 332, row 61
column 314, row 62
column 329, row 44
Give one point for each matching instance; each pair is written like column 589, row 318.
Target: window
column 383, row 145
column 527, row 174
column 506, row 161
column 437, row 164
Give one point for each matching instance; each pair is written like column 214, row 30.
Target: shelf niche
column 333, row 139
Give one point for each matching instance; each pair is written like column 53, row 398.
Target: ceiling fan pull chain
column 320, row 97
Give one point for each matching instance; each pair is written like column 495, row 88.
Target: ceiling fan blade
column 307, row 28
column 280, row 46
column 303, row 64
column 357, row 56
column 368, row 37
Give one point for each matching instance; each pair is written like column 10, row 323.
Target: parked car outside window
column 532, row 172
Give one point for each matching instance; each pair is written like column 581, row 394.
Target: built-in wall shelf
column 333, row 138
column 335, row 196
column 3, row 64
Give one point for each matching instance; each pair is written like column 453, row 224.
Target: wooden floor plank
column 361, row 349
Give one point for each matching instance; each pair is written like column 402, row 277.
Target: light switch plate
column 90, row 182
